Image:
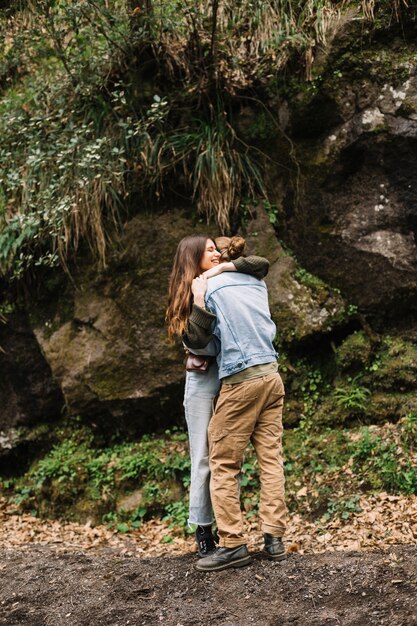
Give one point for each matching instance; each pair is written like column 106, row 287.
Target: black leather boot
column 274, row 547
column 206, row 540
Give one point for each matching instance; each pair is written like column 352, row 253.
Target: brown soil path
column 351, row 573
column 40, row 587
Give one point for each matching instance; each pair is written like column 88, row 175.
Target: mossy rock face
column 329, row 414
column 260, row 236
column 84, row 506
column 397, row 365
column 293, row 412
column 301, row 304
column 390, row 406
column 370, row 380
column 353, row 223
column 30, row 398
column 378, row 408
column 80, row 479
column 387, row 372
column 299, row 310
column 355, row 352
column 111, row 356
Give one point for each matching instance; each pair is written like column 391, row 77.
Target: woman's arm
column 256, row 266
column 199, row 329
column 227, row 266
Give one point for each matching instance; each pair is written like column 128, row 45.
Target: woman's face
column 210, row 257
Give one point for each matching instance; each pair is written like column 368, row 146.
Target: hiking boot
column 206, row 541
column 223, row 558
column 274, row 548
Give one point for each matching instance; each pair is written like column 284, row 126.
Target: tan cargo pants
column 247, row 411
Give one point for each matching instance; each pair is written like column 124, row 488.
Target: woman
column 198, row 255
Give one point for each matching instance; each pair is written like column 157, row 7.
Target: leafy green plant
column 6, row 307
column 176, row 514
column 305, row 278
column 311, row 389
column 352, row 310
column 384, row 462
column 375, row 365
column 122, row 527
column 61, row 465
column 60, row 188
column 313, row 461
column 354, row 397
column 272, row 212
column 342, row 508
column 409, row 430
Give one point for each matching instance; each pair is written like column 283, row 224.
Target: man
column 234, row 308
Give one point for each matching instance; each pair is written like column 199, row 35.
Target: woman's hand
column 199, row 288
column 218, row 269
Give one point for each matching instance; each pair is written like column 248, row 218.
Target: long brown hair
column 185, row 268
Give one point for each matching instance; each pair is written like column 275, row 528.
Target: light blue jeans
column 200, row 391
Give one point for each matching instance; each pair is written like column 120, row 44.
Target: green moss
column 309, row 280
column 110, row 380
column 380, row 129
column 390, row 406
column 364, row 381
column 354, row 352
column 397, row 365
column 360, row 62
column 408, row 107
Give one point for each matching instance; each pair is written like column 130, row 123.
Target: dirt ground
column 43, row 587
column 357, row 572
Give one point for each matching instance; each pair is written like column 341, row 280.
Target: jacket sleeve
column 256, row 266
column 199, row 330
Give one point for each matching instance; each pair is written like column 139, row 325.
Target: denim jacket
column 243, row 323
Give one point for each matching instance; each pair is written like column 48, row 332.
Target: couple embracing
column 218, row 305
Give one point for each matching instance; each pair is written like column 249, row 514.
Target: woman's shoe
column 205, row 540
